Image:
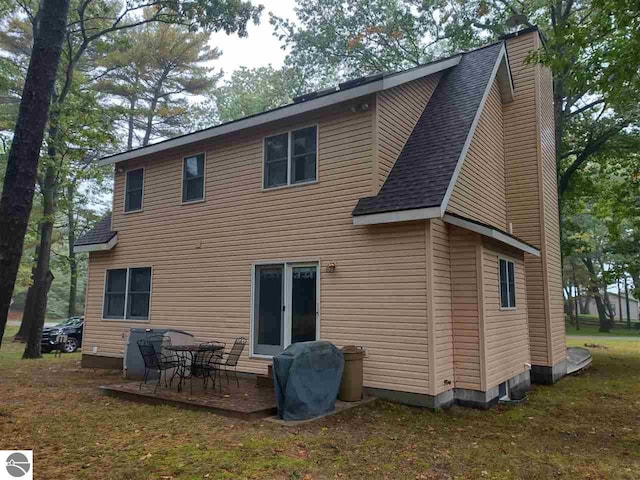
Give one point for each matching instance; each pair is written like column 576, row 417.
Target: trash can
column 351, row 386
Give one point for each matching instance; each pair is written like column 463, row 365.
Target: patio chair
column 206, row 364
column 231, row 362
column 154, row 360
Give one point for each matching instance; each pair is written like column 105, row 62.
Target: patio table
column 187, row 354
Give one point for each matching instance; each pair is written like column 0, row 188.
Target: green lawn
column 593, row 331
column 583, row 427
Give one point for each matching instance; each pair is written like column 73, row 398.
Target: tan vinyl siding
column 552, row 257
column 202, row 253
column 398, row 110
column 466, row 308
column 506, row 332
column 442, row 320
column 479, row 192
column 531, row 197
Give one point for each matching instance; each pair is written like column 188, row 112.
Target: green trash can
column 351, row 386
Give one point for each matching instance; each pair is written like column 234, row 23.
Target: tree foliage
column 151, row 74
column 90, row 25
column 250, row 91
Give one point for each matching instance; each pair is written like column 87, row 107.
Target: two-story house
column 412, row 213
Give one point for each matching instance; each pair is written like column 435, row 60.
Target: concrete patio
column 247, row 401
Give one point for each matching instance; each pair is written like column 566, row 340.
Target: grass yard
column 592, row 331
column 589, row 325
column 585, row 427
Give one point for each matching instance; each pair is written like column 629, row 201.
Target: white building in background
column 616, row 301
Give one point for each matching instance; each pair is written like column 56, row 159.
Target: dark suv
column 71, row 327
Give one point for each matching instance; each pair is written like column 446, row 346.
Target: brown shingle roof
column 101, row 233
column 423, row 171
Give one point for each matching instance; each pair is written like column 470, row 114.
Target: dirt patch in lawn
column 582, row 427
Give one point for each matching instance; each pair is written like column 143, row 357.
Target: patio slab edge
column 142, row 397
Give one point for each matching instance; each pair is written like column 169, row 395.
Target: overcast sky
column 260, row 48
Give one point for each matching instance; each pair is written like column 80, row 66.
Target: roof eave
column 491, row 232
column 97, row 247
column 397, row 216
column 339, row 96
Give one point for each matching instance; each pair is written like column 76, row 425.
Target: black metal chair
column 206, row 364
column 231, row 362
column 155, row 360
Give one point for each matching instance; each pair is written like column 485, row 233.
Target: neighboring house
column 615, row 301
column 413, row 213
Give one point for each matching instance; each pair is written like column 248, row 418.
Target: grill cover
column 307, row 378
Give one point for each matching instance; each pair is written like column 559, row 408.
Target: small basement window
column 127, row 290
column 134, row 190
column 507, row 284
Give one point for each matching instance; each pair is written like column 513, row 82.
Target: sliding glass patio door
column 285, row 300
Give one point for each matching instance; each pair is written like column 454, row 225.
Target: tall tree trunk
column 568, row 305
column 33, row 347
column 626, row 295
column 619, row 299
column 149, row 127
column 131, row 123
column 23, row 331
column 27, row 313
column 577, row 305
column 609, row 307
column 594, row 288
column 157, row 90
column 22, row 164
column 43, row 277
column 73, row 260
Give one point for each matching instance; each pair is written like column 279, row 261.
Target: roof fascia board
column 419, row 72
column 399, row 216
column 97, row 247
column 491, row 233
column 288, row 111
column 445, row 201
column 505, row 80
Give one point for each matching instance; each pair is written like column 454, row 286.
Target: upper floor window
column 291, row 158
column 127, row 292
column 507, row 284
column 134, row 190
column 193, row 178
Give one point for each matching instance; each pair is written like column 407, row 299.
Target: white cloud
column 260, row 48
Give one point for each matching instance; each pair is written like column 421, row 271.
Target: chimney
column 532, row 201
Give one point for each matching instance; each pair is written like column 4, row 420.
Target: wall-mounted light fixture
column 119, row 169
column 331, row 267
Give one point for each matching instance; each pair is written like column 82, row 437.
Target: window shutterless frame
column 126, row 190
column 126, row 300
column 289, row 158
column 184, row 179
column 287, row 268
column 507, row 278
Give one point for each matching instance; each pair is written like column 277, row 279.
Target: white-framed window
column 285, row 300
column 507, row 274
column 127, row 293
column 134, row 190
column 193, row 178
column 291, row 158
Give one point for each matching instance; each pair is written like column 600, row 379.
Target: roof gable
column 424, row 174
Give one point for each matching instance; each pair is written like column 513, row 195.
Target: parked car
column 72, row 327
